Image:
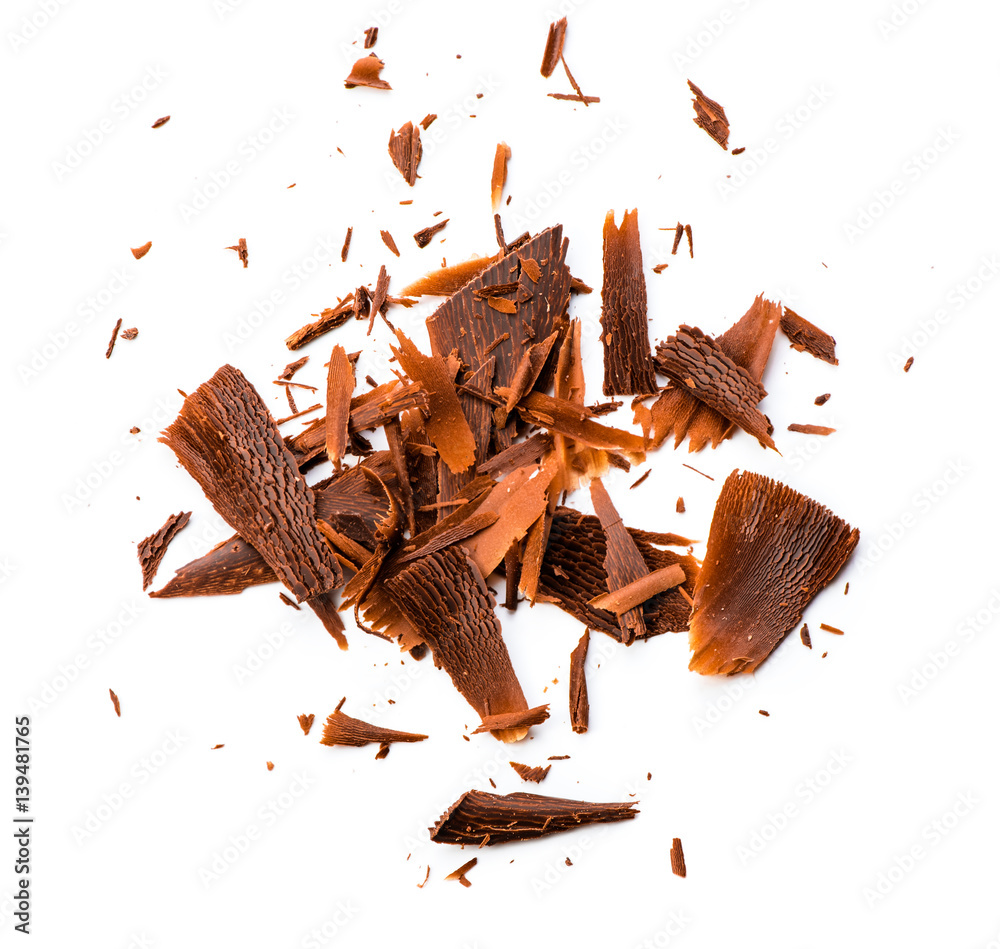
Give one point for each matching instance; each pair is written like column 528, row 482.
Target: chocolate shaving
column 116, row 703
column 425, row 122
column 805, row 637
column 569, row 418
column 519, row 720
column 811, row 429
column 139, row 252
column 628, row 363
column 161, row 121
column 770, row 551
column 365, row 72
column 459, row 874
column 405, row 151
column 639, row 591
column 680, row 506
column 641, row 478
column 553, row 47
column 805, row 337
column 909, row 362
column 329, row 319
column 574, row 97
column 130, row 333
column 831, row 629
column 114, row 336
column 527, row 773
column 423, row 238
column 484, row 819
column 288, row 601
column 710, row 116
column 152, row 549
column 339, row 389
column 371, row 37
column 306, row 722
column 677, row 864
column 347, row 245
column 341, row 729
column 822, row 399
column 241, row 249
column 292, row 368
column 517, row 456
column 579, row 703
column 389, row 242
column 448, row 280
column 700, row 367
column 499, row 178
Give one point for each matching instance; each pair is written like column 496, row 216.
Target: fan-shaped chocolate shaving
column 698, row 365
column 405, row 151
column 484, row 819
column 445, row 598
column 710, row 116
column 805, row 337
column 553, row 47
column 628, row 363
column 770, row 551
column 152, row 549
column 341, row 729
column 306, row 722
column 365, row 72
column 228, row 442
column 535, row 774
column 579, row 703
column 573, row 574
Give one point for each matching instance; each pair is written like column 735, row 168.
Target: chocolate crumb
column 130, row 333
column 306, row 722
column 161, row 121
column 371, row 37
column 241, row 249
column 805, row 637
column 116, row 703
column 822, row 399
column 831, row 629
column 636, row 483
column 423, row 238
column 762, row 712
column 139, row 252
column 680, row 506
column 347, row 245
column 270, row 766
column 909, row 362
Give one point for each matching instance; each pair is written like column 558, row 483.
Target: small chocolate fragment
column 519, row 720
column 680, row 506
column 831, row 629
column 499, row 173
column 241, row 249
column 909, row 362
column 347, row 245
column 130, row 334
column 485, row 819
column 639, row 591
column 423, row 238
column 740, row 151
column 405, row 151
column 371, row 37
column 459, row 874
column 139, row 252
column 341, row 729
column 805, row 337
column 116, row 703
column 811, row 429
column 306, row 722
column 288, row 601
column 339, row 389
column 527, row 773
column 114, row 336
column 329, row 319
column 161, row 121
column 574, row 97
column 642, row 478
column 270, row 766
column 553, row 47
column 365, row 72
column 389, row 242
column 216, row 747
column 821, row 399
column 152, row 549
column 579, row 703
column 425, row 122
column 677, row 858
column 710, row 116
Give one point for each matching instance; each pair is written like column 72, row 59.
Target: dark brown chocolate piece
column 161, row 121
column 680, row 506
column 770, row 551
column 640, row 480
column 288, row 601
column 152, row 549
column 811, row 429
column 822, row 399
column 339, row 389
column 459, row 874
column 764, row 712
column 710, row 116
column 628, row 362
column 341, row 729
column 347, row 244
column 423, row 237
column 371, row 37
column 306, row 722
column 805, row 337
column 520, row 721
column 805, row 637
column 329, row 319
column 139, row 252
column 365, row 72
column 698, row 365
column 499, row 177
column 241, row 249
column 114, row 336
column 518, row 455
column 677, row 864
column 553, row 47
column 116, row 703
column 909, row 362
column 569, row 418
column 130, row 333
column 292, row 368
column 579, row 703
column 389, row 242
column 405, row 151
column 485, row 819
column 228, row 568
column 528, row 773
column 637, row 592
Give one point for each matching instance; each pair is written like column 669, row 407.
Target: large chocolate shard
column 365, row 72
column 152, row 549
column 445, row 598
column 710, row 116
column 696, row 362
column 573, row 574
column 484, row 819
column 228, row 442
column 770, row 551
column 748, row 344
column 341, row 729
column 806, row 337
column 405, row 151
column 628, row 363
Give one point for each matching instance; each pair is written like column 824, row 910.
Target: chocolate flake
column 241, row 249
column 909, row 362
column 341, row 729
column 365, row 72
column 527, row 773
column 499, row 178
column 389, row 242
column 805, row 637
column 639, row 591
column 805, row 337
column 139, row 252
column 130, row 334
column 680, row 506
column 574, row 97
column 405, row 151
column 770, row 551
column 329, row 319
column 152, row 549
column 306, row 722
column 811, row 429
column 161, row 121
column 628, row 363
column 553, row 47
column 339, row 389
column 371, row 37
column 270, row 765
column 425, row 122
column 579, row 703
column 116, row 703
column 347, row 245
column 288, row 601
column 423, row 238
column 710, row 116
column 763, row 712
column 114, row 336
column 292, row 368
column 459, row 874
column 485, row 819
column 822, row 399
column 642, row 478
column 677, row 864
column 831, row 629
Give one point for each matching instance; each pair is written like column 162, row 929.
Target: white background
column 337, row 856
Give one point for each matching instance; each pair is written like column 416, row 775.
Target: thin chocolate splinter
column 579, row 704
column 116, row 703
column 341, row 729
